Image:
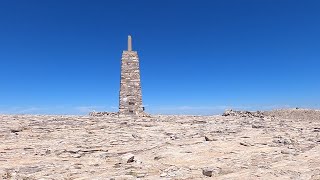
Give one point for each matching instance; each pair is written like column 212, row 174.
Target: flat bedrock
column 280, row 144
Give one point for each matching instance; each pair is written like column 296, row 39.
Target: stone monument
column 130, row 98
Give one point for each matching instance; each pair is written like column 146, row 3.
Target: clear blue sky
column 196, row 57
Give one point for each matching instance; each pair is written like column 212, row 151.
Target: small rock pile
column 115, row 114
column 249, row 114
column 100, row 114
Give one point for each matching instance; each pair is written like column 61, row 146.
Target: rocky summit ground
column 283, row 144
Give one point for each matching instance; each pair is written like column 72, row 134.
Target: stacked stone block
column 130, row 100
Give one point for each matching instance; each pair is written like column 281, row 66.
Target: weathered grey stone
column 211, row 171
column 288, row 151
column 245, row 144
column 130, row 96
column 163, row 174
column 207, row 138
column 207, row 172
column 130, row 100
column 127, row 158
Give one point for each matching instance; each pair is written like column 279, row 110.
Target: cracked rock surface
column 276, row 145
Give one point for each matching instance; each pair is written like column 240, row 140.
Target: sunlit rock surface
column 282, row 144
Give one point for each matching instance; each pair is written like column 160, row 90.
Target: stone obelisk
column 130, row 99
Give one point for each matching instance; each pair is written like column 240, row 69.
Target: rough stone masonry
column 130, row 99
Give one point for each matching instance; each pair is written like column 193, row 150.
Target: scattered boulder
column 287, row 151
column 127, row 158
column 283, row 141
column 157, row 158
column 15, row 130
column 210, row 171
column 209, row 138
column 207, row 172
column 76, row 155
column 245, row 144
column 163, row 174
column 258, row 124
